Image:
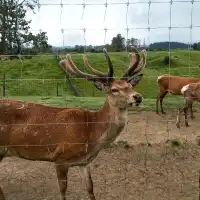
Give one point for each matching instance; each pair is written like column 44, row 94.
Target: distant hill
column 165, row 45
column 56, row 48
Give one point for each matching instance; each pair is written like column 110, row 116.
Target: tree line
column 15, row 34
column 119, row 43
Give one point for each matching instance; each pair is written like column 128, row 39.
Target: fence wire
column 151, row 159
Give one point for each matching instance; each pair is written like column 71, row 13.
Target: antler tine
column 78, row 72
column 71, row 68
column 110, row 65
column 132, row 59
column 141, row 65
column 133, row 66
column 64, row 65
column 94, row 71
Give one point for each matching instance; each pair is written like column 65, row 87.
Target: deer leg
column 191, row 112
column 160, row 98
column 62, row 171
column 157, row 100
column 187, row 105
column 86, row 176
column 180, row 110
column 185, row 112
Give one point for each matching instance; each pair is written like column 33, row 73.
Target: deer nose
column 138, row 99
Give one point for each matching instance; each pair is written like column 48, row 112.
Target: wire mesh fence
column 151, row 159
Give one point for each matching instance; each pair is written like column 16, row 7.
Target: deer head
column 121, row 92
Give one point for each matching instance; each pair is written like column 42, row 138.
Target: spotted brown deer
column 173, row 85
column 191, row 93
column 70, row 136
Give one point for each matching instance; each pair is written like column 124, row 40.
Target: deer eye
column 114, row 90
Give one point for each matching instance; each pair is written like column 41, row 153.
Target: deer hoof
column 192, row 117
column 187, row 125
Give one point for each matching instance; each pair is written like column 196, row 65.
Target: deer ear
column 101, row 86
column 135, row 80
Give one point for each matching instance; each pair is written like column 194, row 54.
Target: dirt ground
column 155, row 172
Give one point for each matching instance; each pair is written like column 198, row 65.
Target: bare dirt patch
column 158, row 171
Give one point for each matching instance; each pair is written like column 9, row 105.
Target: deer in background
column 191, row 93
column 70, row 136
column 173, row 85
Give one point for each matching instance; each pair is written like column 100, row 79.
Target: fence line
column 145, row 170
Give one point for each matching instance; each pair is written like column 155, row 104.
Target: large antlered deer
column 70, row 136
column 172, row 84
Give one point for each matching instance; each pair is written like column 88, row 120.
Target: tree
column 196, row 46
column 128, row 42
column 40, row 42
column 14, row 27
column 118, row 43
column 134, row 41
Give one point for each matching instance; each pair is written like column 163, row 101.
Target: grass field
column 40, row 79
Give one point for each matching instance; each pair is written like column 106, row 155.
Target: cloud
column 95, row 19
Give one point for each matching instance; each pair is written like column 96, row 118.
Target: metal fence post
column 57, row 90
column 4, row 86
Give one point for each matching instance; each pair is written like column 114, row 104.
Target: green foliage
column 167, row 45
column 46, row 67
column 175, row 143
column 166, row 60
column 14, row 26
column 118, row 43
column 169, row 60
column 196, row 46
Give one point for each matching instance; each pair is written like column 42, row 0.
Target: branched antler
column 132, row 75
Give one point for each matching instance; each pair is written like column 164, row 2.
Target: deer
column 70, row 137
column 173, row 85
column 191, row 93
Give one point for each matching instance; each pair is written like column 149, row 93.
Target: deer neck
column 110, row 121
column 112, row 114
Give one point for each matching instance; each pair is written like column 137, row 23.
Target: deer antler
column 132, row 67
column 110, row 65
column 132, row 59
column 98, row 73
column 94, row 71
column 141, row 65
column 73, row 70
column 136, row 64
column 66, row 67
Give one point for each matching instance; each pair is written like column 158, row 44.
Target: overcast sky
column 52, row 18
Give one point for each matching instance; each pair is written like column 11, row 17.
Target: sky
column 95, row 19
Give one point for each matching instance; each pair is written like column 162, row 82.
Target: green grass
column 20, row 75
